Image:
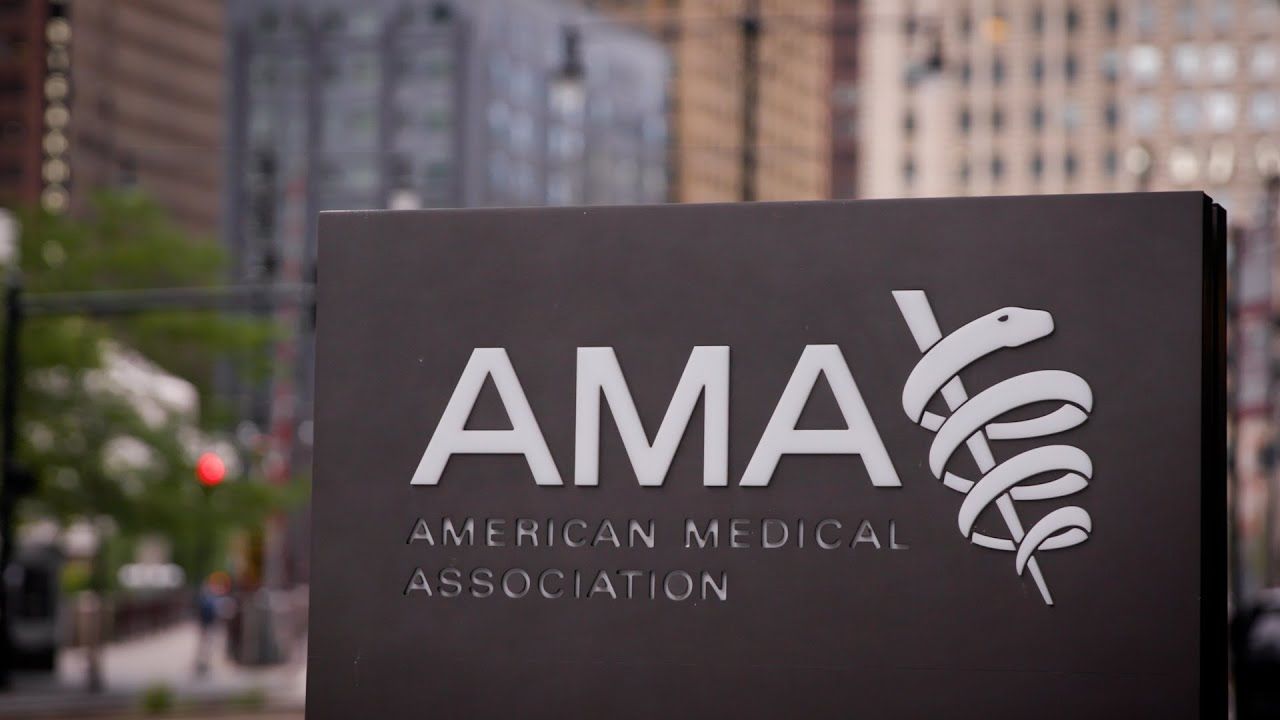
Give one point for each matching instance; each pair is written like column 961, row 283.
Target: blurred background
column 162, row 163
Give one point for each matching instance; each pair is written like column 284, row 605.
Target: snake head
column 1019, row 326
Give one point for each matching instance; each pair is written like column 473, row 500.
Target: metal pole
column 1236, row 560
column 8, row 435
column 1253, row 402
column 1271, row 540
column 750, row 23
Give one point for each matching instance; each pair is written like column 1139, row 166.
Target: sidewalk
column 165, row 658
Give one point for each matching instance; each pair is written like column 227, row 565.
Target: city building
column 146, row 103
column 750, row 105
column 113, row 94
column 986, row 97
column 434, row 104
column 23, row 69
column 979, row 97
column 410, row 104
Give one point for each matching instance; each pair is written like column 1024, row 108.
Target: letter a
column 781, row 436
column 451, row 436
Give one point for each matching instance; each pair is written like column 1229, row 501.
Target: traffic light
column 210, row 470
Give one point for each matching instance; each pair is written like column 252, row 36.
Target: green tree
column 96, row 452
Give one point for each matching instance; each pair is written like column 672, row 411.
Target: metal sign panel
column 896, row 459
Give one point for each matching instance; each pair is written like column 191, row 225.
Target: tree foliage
column 95, row 452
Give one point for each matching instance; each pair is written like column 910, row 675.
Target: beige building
column 791, row 155
column 1049, row 96
column 146, row 87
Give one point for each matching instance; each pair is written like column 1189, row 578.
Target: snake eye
column 1003, row 318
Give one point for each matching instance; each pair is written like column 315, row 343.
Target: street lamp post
column 9, row 479
column 750, row 24
column 568, row 100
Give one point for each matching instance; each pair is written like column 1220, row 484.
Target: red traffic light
column 210, row 470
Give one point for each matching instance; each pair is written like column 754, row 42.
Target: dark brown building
column 22, row 75
column 101, row 94
column 148, row 89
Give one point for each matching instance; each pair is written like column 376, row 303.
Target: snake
column 1071, row 400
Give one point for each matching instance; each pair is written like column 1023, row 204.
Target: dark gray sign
column 902, row 459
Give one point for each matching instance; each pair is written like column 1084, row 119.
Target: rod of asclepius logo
column 973, row 422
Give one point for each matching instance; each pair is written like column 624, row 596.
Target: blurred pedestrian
column 209, row 601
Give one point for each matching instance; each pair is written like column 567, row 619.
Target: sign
column 901, row 459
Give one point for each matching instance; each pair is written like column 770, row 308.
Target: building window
column 966, row 71
column 849, row 128
column 1037, row 19
column 437, row 171
column 1264, row 110
column 441, row 13
column 1186, row 17
column 995, row 28
column 366, row 23
column 997, row 70
column 1145, row 63
column 846, row 94
column 438, row 119
column 1037, row 70
column 997, row 167
column 1265, row 60
column 1220, row 111
column 1109, row 63
column 1186, row 112
column 1224, row 15
column 1144, row 115
column 1069, row 165
column 908, row 123
column 997, row 119
column 1110, row 162
column 1221, row 61
column 1113, row 18
column 963, row 171
column 1037, row 165
column 1070, row 115
column 1186, row 62
column 1145, row 17
column 1221, row 164
column 908, row 171
column 966, row 25
column 1070, row 68
column 965, row 120
column 1111, row 115
column 1037, row 117
column 1073, row 19
column 268, row 21
column 332, row 22
column 1183, row 165
column 1266, row 13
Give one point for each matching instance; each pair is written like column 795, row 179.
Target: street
column 161, row 663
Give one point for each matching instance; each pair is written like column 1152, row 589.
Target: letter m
column 706, row 375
